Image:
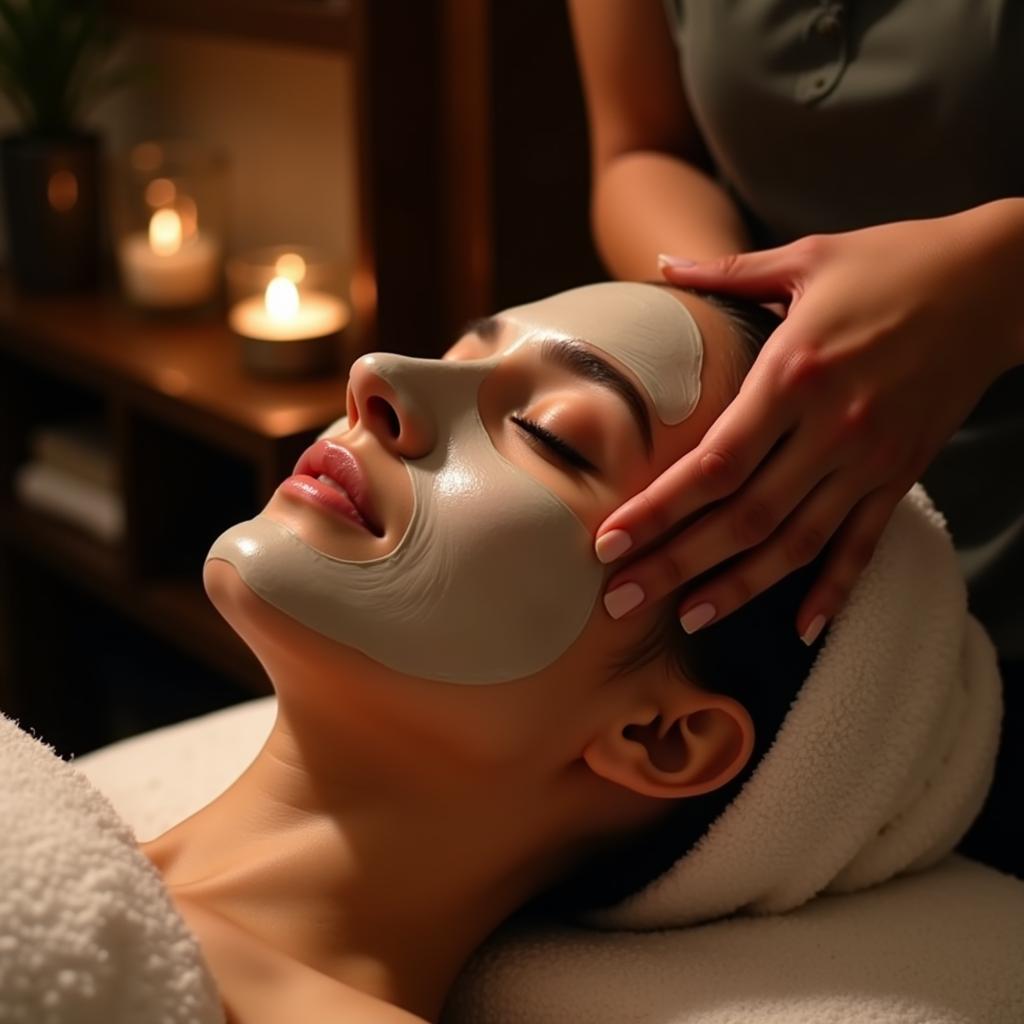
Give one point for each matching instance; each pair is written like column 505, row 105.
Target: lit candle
column 284, row 312
column 165, row 268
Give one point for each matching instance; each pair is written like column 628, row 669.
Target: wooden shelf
column 186, row 421
column 187, row 372
column 324, row 24
column 176, row 610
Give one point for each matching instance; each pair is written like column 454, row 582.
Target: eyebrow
column 572, row 355
column 580, row 361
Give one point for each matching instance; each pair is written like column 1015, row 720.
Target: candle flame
column 281, row 299
column 165, row 232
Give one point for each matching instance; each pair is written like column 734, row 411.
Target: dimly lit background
column 433, row 155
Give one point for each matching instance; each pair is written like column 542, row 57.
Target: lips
column 337, row 474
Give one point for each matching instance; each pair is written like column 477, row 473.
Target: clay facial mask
column 495, row 577
column 644, row 327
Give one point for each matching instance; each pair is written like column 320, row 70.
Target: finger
column 768, row 274
column 746, row 520
column 855, row 543
column 733, row 447
column 796, row 544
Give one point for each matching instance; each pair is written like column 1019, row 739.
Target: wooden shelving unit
column 324, row 24
column 176, row 610
column 199, row 443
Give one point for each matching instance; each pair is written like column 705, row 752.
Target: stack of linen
column 72, row 475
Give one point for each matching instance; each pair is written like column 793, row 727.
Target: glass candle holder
column 287, row 306
column 170, row 224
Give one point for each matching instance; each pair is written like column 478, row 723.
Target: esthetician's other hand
column 892, row 334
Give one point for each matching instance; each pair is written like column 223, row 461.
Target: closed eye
column 541, row 435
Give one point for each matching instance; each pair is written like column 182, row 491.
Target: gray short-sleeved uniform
column 827, row 116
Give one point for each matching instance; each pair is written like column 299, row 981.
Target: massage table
column 942, row 946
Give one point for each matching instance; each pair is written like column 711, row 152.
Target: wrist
column 645, row 203
column 997, row 237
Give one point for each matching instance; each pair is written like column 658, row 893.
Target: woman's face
column 445, row 527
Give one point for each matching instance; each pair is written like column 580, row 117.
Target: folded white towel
column 88, row 934
column 97, row 509
column 882, row 762
column 944, row 946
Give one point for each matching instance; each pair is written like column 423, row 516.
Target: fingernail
column 699, row 615
column 816, row 626
column 664, row 260
column 611, row 545
column 623, row 599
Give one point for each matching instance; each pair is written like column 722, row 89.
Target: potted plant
column 54, row 67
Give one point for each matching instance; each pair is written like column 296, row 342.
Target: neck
column 382, row 873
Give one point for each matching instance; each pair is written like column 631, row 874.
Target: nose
column 377, row 400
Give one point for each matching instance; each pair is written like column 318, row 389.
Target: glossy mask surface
column 662, row 344
column 495, row 577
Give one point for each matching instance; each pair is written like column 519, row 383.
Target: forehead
column 642, row 326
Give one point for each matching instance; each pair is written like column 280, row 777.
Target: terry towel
column 88, row 934
column 943, row 946
column 882, row 762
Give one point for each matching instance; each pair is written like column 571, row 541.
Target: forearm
column 646, row 202
column 999, row 228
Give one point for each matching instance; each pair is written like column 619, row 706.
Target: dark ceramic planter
column 52, row 190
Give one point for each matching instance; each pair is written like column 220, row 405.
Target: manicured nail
column 816, row 626
column 611, row 545
column 664, row 260
column 623, row 599
column 699, row 615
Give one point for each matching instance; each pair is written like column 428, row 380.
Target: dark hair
column 753, row 655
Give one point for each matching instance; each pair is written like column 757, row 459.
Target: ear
column 686, row 744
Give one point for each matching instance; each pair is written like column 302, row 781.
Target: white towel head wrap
column 882, row 762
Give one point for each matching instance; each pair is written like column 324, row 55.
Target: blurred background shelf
column 177, row 610
column 318, row 23
column 470, row 174
column 185, row 371
column 197, row 445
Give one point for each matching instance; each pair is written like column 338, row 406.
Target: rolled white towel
column 880, row 765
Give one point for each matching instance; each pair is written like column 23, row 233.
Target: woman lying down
column 464, row 735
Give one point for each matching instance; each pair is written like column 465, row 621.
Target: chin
column 230, row 596
column 277, row 640
column 257, row 622
column 335, row 684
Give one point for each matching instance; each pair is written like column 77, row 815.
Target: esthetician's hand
column 892, row 334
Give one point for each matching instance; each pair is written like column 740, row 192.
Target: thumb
column 765, row 275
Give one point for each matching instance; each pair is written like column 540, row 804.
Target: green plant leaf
column 105, row 84
column 54, row 57
column 14, row 17
column 11, row 88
